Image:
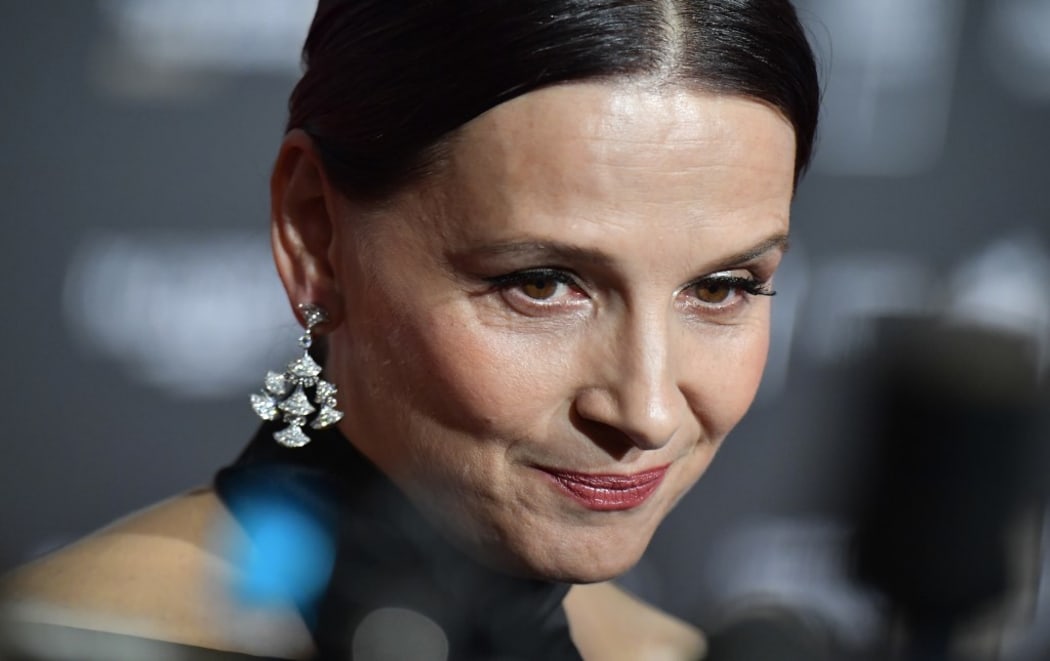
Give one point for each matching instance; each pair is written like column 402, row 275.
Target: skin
column 464, row 390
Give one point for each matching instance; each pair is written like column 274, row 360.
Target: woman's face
column 546, row 341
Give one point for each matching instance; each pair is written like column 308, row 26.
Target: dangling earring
column 284, row 395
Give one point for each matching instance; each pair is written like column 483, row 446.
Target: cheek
column 726, row 376
column 477, row 378
column 729, row 379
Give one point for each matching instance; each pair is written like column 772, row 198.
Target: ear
column 303, row 211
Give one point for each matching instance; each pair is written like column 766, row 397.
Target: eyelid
column 749, row 284
column 520, row 277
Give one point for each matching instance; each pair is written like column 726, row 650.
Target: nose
column 635, row 390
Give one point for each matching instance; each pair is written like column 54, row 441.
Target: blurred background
column 142, row 305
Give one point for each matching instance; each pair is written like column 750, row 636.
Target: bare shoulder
column 610, row 624
column 155, row 574
column 158, row 574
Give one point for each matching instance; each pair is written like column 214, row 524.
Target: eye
column 713, row 291
column 723, row 291
column 539, row 288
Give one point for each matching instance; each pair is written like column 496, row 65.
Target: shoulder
column 157, row 574
column 610, row 624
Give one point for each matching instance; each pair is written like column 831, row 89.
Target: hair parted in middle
column 387, row 80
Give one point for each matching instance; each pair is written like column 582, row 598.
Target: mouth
column 608, row 492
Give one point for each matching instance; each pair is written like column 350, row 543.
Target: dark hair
column 386, row 80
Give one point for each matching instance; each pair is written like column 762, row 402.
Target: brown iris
column 713, row 292
column 540, row 288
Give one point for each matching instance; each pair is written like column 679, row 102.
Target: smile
column 607, row 493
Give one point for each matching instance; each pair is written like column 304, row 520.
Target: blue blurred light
column 288, row 558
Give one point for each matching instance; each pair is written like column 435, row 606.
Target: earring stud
column 284, row 395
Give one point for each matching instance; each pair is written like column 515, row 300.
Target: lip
column 607, row 492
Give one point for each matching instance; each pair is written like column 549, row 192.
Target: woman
column 539, row 240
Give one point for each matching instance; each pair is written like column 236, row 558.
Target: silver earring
column 284, row 395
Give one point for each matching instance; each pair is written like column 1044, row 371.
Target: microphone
column 951, row 421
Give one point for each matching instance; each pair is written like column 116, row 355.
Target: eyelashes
column 545, row 288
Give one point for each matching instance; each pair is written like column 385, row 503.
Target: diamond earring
column 284, row 395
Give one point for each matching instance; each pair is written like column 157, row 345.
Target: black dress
column 396, row 587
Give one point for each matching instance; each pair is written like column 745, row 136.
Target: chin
column 587, row 561
column 599, row 575
column 569, row 572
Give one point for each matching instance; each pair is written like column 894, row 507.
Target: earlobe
column 303, row 212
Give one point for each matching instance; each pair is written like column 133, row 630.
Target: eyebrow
column 776, row 242
column 560, row 251
column 554, row 250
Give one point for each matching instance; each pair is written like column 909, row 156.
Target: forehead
column 598, row 157
column 559, row 134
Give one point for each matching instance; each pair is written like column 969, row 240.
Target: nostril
column 613, row 442
column 617, row 428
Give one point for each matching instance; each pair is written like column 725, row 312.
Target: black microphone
column 951, row 422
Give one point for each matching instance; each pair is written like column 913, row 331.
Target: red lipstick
column 608, row 493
